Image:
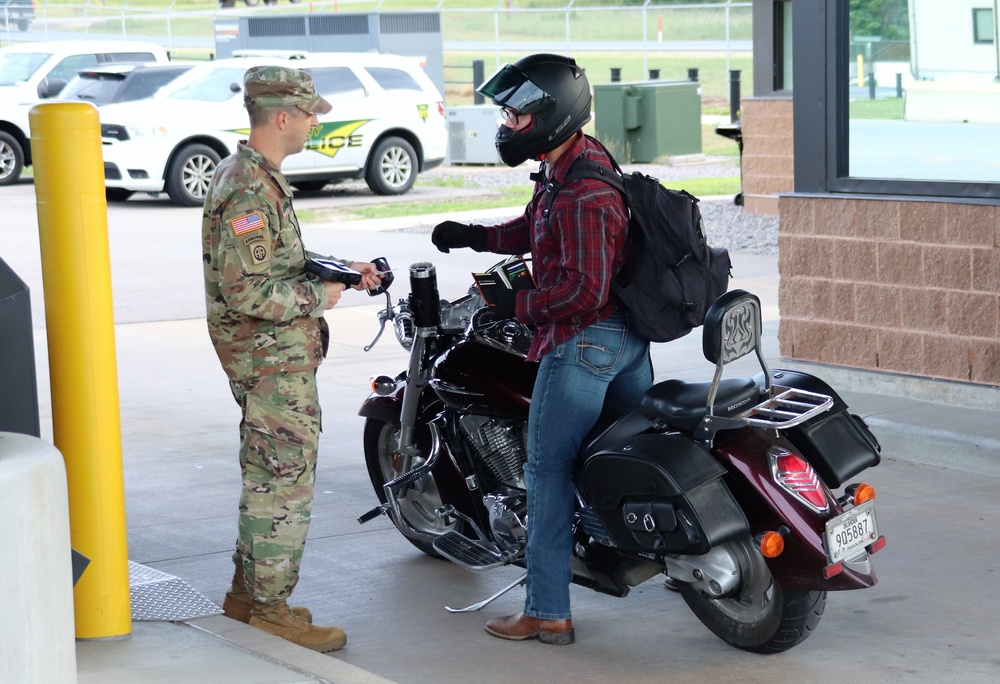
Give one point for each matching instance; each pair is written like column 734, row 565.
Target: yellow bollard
column 861, row 71
column 79, row 321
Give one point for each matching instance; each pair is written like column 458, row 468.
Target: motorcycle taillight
column 794, row 474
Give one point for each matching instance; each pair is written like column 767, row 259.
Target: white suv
column 387, row 125
column 32, row 72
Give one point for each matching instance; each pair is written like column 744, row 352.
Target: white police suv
column 387, row 125
column 34, row 72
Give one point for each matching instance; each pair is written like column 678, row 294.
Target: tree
column 888, row 19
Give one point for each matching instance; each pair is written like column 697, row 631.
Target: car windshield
column 92, row 88
column 213, row 85
column 18, row 67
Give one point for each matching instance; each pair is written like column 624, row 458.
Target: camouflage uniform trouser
column 279, row 436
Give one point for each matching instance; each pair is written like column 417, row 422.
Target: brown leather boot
column 520, row 627
column 238, row 602
column 278, row 620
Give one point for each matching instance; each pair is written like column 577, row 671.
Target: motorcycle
column 726, row 486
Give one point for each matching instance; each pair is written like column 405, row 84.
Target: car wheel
column 189, row 175
column 392, row 168
column 11, row 159
column 117, row 194
column 310, row 185
column 23, row 24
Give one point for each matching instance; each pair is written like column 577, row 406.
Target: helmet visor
column 510, row 88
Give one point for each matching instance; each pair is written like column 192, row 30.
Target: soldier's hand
column 333, row 292
column 370, row 275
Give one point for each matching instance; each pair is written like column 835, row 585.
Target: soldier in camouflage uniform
column 265, row 318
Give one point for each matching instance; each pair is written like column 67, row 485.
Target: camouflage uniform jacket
column 265, row 313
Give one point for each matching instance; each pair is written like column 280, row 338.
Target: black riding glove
column 450, row 234
column 504, row 304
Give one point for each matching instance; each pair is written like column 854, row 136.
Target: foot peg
column 374, row 513
column 468, row 553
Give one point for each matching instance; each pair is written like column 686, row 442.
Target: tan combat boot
column 239, row 603
column 278, row 620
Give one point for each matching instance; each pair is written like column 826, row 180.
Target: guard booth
column 412, row 34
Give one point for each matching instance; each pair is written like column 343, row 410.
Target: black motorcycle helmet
column 553, row 89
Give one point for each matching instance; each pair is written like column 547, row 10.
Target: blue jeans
column 604, row 364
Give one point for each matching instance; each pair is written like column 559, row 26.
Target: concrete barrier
column 36, row 576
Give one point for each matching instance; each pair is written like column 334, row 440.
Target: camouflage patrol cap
column 275, row 86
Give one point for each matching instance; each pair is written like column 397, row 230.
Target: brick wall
column 768, row 153
column 909, row 287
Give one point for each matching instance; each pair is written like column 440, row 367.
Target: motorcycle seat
column 684, row 404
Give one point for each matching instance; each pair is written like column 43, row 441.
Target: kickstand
column 485, row 602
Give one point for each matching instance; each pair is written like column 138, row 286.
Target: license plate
column 850, row 532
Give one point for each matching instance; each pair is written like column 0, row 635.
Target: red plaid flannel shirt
column 574, row 253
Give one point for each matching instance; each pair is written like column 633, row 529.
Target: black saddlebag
column 662, row 494
column 839, row 445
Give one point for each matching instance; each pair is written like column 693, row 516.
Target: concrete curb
column 280, row 652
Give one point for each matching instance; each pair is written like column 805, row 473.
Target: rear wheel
column 392, row 167
column 190, row 173
column 419, row 502
column 762, row 616
column 11, row 159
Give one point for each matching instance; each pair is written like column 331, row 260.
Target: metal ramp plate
column 157, row 596
column 466, row 552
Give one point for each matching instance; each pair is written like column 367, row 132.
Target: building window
column 922, row 98
column 926, row 125
column 982, row 26
column 783, row 45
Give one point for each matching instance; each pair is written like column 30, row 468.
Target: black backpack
column 671, row 276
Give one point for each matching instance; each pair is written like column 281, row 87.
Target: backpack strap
column 583, row 168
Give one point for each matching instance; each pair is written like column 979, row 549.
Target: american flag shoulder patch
column 244, row 224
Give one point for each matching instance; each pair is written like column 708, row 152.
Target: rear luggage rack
column 787, row 409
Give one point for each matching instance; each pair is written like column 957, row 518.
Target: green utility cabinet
column 644, row 122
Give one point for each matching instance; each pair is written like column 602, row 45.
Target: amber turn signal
column 771, row 544
column 862, row 493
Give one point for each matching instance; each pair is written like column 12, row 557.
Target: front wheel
column 762, row 616
column 117, row 194
column 418, row 504
column 11, row 159
column 392, row 167
column 190, row 173
column 310, row 185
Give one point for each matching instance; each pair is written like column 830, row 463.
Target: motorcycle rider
column 589, row 358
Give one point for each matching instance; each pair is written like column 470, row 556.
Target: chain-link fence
column 577, row 25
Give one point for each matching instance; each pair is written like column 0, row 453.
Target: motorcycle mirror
column 382, row 264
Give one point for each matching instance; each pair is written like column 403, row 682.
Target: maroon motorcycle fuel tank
column 475, row 376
